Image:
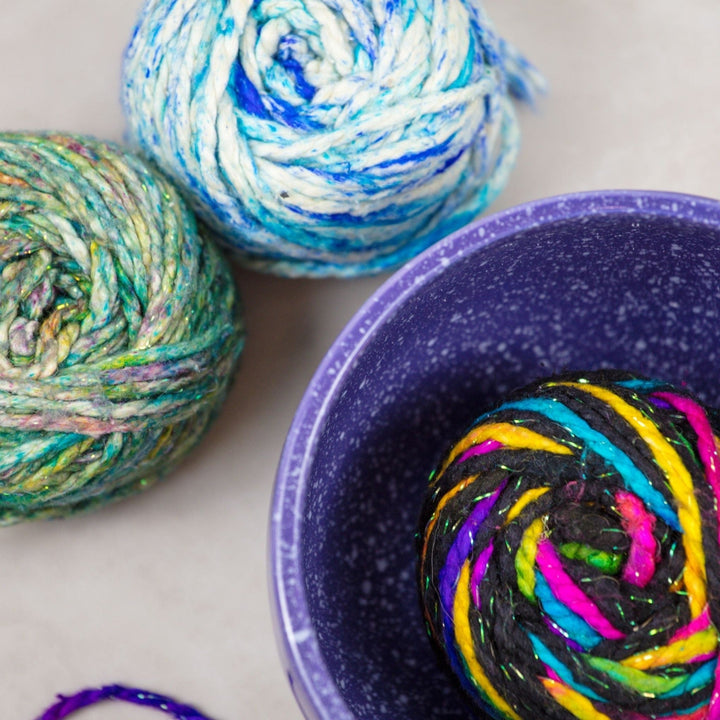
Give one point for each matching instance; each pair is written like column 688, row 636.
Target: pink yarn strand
column 478, row 573
column 639, row 524
column 565, row 589
column 709, row 456
column 481, row 449
column 700, row 623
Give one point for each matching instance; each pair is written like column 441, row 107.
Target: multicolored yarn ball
column 119, row 326
column 569, row 553
column 327, row 137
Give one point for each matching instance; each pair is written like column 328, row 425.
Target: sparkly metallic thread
column 569, row 553
column 119, row 326
column 327, row 137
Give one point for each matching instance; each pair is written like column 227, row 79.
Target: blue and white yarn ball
column 327, row 137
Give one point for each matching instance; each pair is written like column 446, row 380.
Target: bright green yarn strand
column 120, row 327
column 609, row 563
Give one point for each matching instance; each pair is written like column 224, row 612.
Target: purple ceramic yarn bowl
column 604, row 279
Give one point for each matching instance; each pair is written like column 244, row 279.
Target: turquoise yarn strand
column 119, row 326
column 335, row 137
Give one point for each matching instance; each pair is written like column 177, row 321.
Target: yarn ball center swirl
column 318, row 66
column 45, row 300
column 569, row 553
column 300, row 53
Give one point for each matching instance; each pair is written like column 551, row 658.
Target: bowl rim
column 309, row 677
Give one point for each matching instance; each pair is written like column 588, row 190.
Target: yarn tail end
column 525, row 81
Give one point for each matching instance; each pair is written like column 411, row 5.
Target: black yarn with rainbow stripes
column 569, row 553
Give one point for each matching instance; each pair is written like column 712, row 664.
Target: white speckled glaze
column 604, row 279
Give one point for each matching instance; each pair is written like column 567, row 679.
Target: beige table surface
column 169, row 590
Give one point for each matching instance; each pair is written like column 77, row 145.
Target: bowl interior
column 623, row 290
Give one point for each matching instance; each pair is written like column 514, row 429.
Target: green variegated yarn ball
column 120, row 327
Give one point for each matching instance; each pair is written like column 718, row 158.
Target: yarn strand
column 67, row 705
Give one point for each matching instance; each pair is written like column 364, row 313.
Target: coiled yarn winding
column 327, row 137
column 569, row 553
column 119, row 326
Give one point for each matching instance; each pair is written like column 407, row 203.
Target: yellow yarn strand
column 680, row 484
column 463, row 638
column 511, row 436
column 523, row 501
column 575, row 703
column 677, row 653
column 449, row 495
column 525, row 558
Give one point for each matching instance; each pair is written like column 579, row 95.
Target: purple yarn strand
column 66, row 705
